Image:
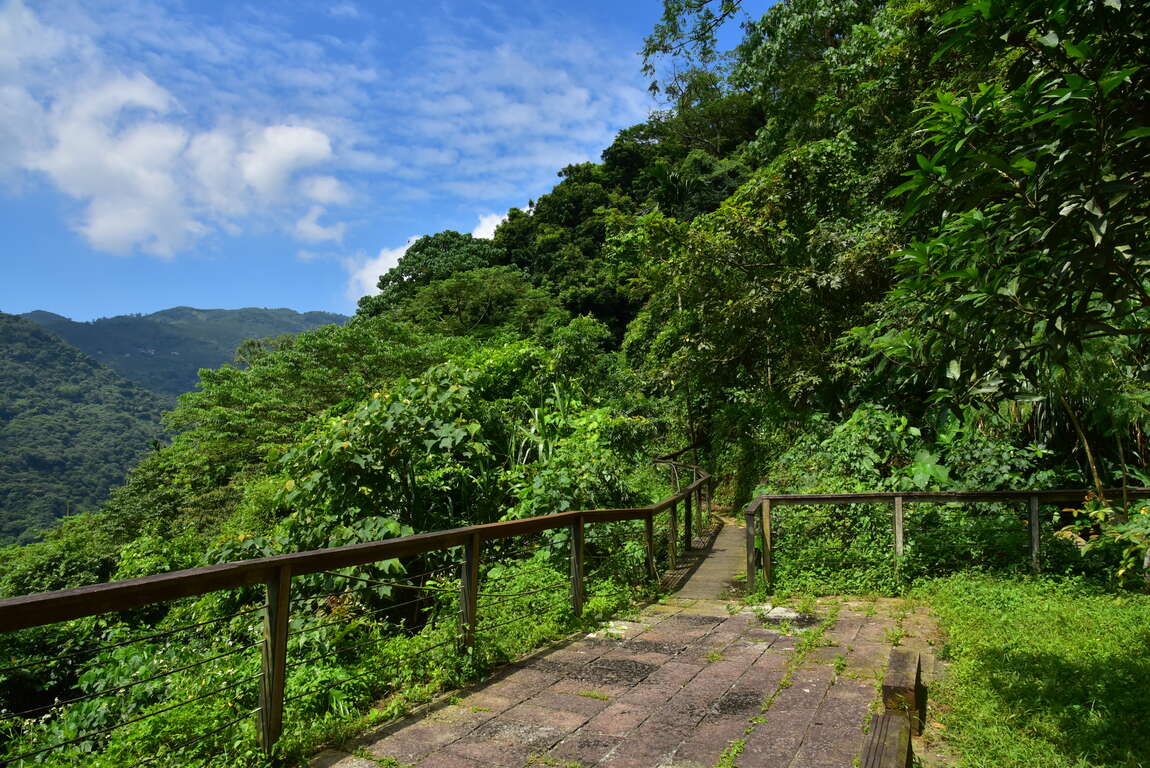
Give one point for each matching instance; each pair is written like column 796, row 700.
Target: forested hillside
column 164, row 351
column 878, row 246
column 69, row 429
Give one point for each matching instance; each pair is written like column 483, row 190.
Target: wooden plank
column 749, row 518
column 902, row 688
column 887, row 745
column 688, row 524
column 768, row 546
column 64, row 605
column 1060, row 496
column 649, row 538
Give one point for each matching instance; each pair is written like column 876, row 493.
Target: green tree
column 1034, row 278
column 430, row 258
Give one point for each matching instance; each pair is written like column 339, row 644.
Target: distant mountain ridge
column 164, row 351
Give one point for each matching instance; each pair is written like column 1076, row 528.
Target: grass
column 1050, row 673
column 595, row 695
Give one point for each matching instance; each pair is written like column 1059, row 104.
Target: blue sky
column 223, row 154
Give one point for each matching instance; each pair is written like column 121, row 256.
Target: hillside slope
column 69, row 429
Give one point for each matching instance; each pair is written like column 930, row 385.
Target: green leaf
column 1073, row 51
column 1111, row 81
column 1050, row 39
column 953, row 370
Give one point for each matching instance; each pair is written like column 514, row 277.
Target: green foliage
column 1124, row 532
column 478, row 300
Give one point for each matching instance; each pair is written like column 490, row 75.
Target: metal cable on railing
column 128, row 686
column 131, row 641
column 196, row 740
column 363, row 615
column 329, row 685
column 126, row 723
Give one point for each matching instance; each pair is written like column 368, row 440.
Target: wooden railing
column 276, row 574
column 757, row 514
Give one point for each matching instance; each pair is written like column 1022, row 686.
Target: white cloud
column 126, row 175
column 344, row 10
column 309, row 229
column 325, row 189
column 216, row 183
column 506, row 111
column 487, row 224
column 146, row 172
column 166, row 125
column 363, row 274
column 24, row 38
column 277, row 152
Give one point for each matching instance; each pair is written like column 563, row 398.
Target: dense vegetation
column 69, row 429
column 878, row 246
column 164, row 351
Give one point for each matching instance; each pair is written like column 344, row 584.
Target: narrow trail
column 694, row 681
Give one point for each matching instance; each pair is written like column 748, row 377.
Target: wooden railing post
column 768, row 574
column 1035, row 532
column 469, row 591
column 672, row 536
column 577, row 567
column 274, row 659
column 649, row 535
column 898, row 532
column 749, row 516
column 688, row 520
column 701, row 524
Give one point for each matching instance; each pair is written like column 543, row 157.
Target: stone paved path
column 686, row 682
column 677, row 688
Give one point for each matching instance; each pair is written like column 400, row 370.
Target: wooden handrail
column 1059, row 496
column 757, row 513
column 90, row 600
column 275, row 573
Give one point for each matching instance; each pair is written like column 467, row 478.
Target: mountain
column 69, row 429
column 165, row 350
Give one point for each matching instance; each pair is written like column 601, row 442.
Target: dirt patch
column 613, row 672
column 650, row 646
column 536, row 736
column 743, row 701
column 802, row 621
column 694, row 620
